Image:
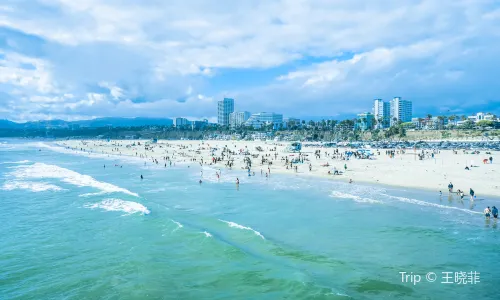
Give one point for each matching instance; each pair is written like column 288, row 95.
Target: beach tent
column 294, row 147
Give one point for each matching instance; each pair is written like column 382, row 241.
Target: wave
column 337, row 194
column 113, row 204
column 179, row 225
column 30, row 185
column 236, row 225
column 15, row 162
column 429, row 204
column 93, row 194
column 89, row 154
column 41, row 170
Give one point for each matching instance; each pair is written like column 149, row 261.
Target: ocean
column 72, row 229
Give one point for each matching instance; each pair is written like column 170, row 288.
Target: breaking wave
column 31, row 186
column 113, row 204
column 41, row 170
column 236, row 225
column 359, row 199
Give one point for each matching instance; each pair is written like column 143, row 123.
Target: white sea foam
column 112, row 204
column 236, row 225
column 430, row 204
column 29, row 185
column 41, row 170
column 179, row 225
column 359, row 199
column 106, row 156
column 15, row 162
column 93, row 194
column 207, row 234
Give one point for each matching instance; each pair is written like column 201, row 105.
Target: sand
column 404, row 170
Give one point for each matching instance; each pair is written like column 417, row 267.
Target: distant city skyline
column 84, row 59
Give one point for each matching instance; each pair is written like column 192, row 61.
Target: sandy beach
column 401, row 169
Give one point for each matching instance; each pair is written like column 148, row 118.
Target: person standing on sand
column 450, row 187
column 491, row 159
column 345, row 167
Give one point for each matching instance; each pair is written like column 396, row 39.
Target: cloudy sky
column 78, row 59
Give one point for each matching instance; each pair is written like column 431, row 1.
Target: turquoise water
column 72, row 229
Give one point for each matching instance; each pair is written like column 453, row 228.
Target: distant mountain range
column 100, row 122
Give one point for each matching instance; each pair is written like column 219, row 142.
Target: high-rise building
column 265, row 118
column 382, row 113
column 225, row 107
column 237, row 119
column 401, row 110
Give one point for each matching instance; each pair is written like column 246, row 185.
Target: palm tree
column 380, row 122
column 441, row 120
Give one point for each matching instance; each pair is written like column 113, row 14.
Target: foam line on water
column 106, row 156
column 31, row 186
column 41, row 170
column 179, row 225
column 430, row 204
column 93, row 194
column 113, row 204
column 207, row 234
column 236, row 225
column 359, row 199
column 15, row 162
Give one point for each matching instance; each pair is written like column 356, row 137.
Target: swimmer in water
column 350, row 180
column 237, row 181
column 200, row 181
column 142, row 177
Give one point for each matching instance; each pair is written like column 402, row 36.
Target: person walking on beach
column 494, row 211
column 345, row 167
column 491, row 159
column 487, row 212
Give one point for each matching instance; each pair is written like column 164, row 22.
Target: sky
column 71, row 60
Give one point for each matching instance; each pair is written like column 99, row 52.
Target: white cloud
column 143, row 52
column 114, row 90
column 26, row 72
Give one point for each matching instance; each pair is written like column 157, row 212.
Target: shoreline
column 401, row 171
